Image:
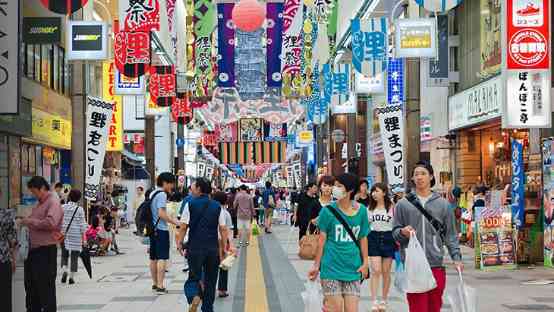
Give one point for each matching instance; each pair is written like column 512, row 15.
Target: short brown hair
column 74, row 195
column 327, row 179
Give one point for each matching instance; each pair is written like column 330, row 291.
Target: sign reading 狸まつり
column 115, row 133
column 528, row 34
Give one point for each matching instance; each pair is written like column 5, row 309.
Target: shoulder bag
column 437, row 225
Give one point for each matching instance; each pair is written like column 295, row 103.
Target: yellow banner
column 115, row 133
column 51, row 129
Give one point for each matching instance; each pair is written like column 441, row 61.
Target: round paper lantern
column 63, row 6
column 248, row 15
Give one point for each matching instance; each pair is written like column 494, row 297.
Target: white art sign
column 527, row 100
column 391, row 122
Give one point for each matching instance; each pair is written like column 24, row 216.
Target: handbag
column 228, row 262
column 437, row 225
column 309, row 245
column 350, row 233
column 58, row 236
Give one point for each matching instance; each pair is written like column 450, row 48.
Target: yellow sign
column 115, row 133
column 51, row 129
column 416, row 38
column 305, row 137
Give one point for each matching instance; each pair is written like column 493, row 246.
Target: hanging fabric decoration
column 369, row 45
column 275, row 131
column 205, row 21
column 310, row 33
column 139, row 16
column 63, row 7
column 438, row 5
column 312, row 102
column 251, row 130
column 225, row 46
column 250, row 65
column 292, row 47
column 190, row 41
column 132, row 53
column 227, row 133
column 249, row 15
column 162, row 85
column 170, row 5
column 332, row 24
column 181, row 111
column 274, row 44
column 340, row 84
column 321, row 47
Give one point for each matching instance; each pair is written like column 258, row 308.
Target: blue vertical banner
column 395, row 81
column 369, row 45
column 518, row 185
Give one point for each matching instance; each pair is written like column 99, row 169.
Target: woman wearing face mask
column 343, row 261
column 326, row 190
column 381, row 244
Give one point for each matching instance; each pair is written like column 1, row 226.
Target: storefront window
column 46, row 60
column 47, row 65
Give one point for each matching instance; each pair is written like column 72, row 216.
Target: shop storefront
column 484, row 157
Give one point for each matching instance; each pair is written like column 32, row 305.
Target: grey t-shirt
column 159, row 201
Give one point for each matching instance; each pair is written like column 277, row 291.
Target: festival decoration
column 226, row 46
column 162, row 85
column 250, row 64
column 63, row 7
column 248, row 15
column 181, row 111
column 369, row 45
column 274, row 44
column 205, row 21
column 132, row 53
column 275, row 131
column 292, row 47
column 227, row 133
column 139, row 16
column 254, row 153
column 250, row 130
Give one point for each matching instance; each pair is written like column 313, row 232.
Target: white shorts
column 243, row 224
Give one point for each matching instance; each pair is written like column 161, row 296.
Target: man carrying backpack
column 158, row 231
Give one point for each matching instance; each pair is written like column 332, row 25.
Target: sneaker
column 161, row 291
column 195, row 304
column 71, row 281
column 64, row 277
column 154, row 287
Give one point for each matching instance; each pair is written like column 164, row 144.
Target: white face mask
column 338, row 193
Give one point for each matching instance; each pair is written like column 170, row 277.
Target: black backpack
column 145, row 215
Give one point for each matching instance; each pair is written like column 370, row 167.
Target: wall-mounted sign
column 9, row 57
column 416, row 37
column 305, row 137
column 395, row 81
column 369, row 85
column 438, row 68
column 369, row 45
column 528, row 34
column 527, row 100
column 87, row 40
column 128, row 85
column 477, row 104
column 51, row 129
column 115, row 133
column 42, row 30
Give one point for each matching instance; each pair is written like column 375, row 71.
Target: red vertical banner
column 528, row 34
column 162, row 85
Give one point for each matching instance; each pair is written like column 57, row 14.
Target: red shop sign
column 528, row 34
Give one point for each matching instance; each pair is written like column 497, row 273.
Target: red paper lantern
column 63, row 6
column 248, row 15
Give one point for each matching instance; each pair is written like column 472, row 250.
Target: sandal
column 383, row 306
column 376, row 307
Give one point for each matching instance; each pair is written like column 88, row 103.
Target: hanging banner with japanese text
column 395, row 81
column 438, row 68
column 274, row 44
column 132, row 52
column 115, row 133
column 391, row 123
column 141, row 16
column 527, row 103
column 518, row 185
column 98, row 119
column 528, row 34
column 162, row 85
column 369, row 45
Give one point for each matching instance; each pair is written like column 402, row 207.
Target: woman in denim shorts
column 341, row 262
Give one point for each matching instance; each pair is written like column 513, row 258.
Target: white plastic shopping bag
column 462, row 298
column 418, row 271
column 400, row 279
column 313, row 298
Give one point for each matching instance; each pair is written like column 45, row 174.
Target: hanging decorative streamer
column 274, row 44
column 162, row 85
column 205, row 21
column 63, row 7
column 181, row 110
column 171, row 24
column 132, row 53
column 312, row 102
column 340, row 84
column 225, row 46
column 369, row 45
column 250, row 65
column 321, row 47
column 292, row 46
column 227, row 133
column 309, row 33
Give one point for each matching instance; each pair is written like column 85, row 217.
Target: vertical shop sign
column 395, row 81
column 528, row 34
column 527, row 104
column 99, row 115
column 438, row 68
column 518, row 185
column 391, row 123
column 9, row 57
column 115, row 133
column 548, row 200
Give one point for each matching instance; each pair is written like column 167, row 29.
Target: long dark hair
column 373, row 203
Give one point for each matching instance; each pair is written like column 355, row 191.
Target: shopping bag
column 462, row 298
column 400, row 278
column 255, row 228
column 309, row 245
column 313, row 299
column 420, row 278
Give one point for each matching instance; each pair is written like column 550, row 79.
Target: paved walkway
column 268, row 276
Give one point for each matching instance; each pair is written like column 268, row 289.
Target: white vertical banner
column 201, row 168
column 9, row 57
column 391, row 123
column 209, row 172
column 99, row 117
column 290, row 176
column 527, row 103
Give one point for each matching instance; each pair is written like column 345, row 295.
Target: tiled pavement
column 122, row 283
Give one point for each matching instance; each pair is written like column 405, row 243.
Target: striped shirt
column 78, row 227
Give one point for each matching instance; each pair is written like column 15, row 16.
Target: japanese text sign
column 369, row 45
column 395, row 81
column 416, row 37
column 528, row 100
column 528, row 34
column 139, row 15
column 98, row 122
column 132, row 52
column 115, row 133
column 391, row 123
column 518, row 184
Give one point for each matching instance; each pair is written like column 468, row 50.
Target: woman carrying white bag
column 423, row 218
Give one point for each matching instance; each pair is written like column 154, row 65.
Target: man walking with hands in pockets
column 426, row 214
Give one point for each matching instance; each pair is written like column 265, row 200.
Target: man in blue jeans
column 205, row 219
